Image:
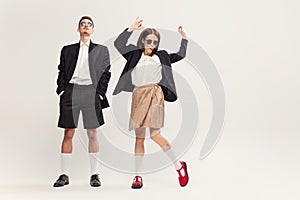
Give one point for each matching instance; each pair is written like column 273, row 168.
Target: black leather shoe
column 95, row 181
column 61, row 181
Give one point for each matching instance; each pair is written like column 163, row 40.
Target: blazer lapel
column 135, row 59
column 92, row 46
column 92, row 63
column 74, row 58
column 161, row 58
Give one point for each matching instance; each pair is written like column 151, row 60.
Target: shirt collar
column 87, row 43
column 153, row 58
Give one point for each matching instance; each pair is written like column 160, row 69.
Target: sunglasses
column 89, row 24
column 154, row 42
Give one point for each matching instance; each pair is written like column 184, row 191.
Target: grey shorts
column 78, row 98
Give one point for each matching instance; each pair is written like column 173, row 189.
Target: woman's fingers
column 182, row 33
column 180, row 29
column 138, row 24
column 138, row 20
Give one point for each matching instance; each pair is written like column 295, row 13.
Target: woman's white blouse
column 147, row 71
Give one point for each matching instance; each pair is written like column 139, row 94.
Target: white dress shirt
column 81, row 74
column 147, row 71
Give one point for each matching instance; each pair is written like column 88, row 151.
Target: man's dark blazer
column 133, row 54
column 99, row 66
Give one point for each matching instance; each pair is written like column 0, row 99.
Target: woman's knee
column 139, row 140
column 155, row 134
column 160, row 140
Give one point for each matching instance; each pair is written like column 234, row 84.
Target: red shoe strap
column 138, row 179
column 181, row 172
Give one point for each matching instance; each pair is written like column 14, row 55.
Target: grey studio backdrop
column 253, row 44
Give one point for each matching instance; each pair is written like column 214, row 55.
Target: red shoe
column 183, row 174
column 137, row 182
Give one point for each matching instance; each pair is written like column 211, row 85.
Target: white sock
column 173, row 158
column 94, row 163
column 138, row 163
column 65, row 163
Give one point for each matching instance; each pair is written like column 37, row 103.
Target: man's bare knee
column 92, row 134
column 69, row 133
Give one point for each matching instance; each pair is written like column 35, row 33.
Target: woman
column 148, row 75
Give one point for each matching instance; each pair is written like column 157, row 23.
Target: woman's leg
column 180, row 166
column 165, row 145
column 139, row 151
column 139, row 148
column 139, row 141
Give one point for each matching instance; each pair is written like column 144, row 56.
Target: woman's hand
column 181, row 32
column 136, row 25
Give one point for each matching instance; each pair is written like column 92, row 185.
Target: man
column 82, row 84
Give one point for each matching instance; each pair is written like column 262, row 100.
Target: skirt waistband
column 148, row 85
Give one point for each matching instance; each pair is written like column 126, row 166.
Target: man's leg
column 93, row 149
column 66, row 153
column 93, row 140
column 66, row 146
column 93, row 154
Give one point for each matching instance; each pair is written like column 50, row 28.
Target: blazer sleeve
column 121, row 44
column 105, row 77
column 61, row 73
column 174, row 57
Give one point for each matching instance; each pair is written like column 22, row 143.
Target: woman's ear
column 143, row 40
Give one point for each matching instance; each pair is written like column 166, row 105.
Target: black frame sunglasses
column 154, row 42
column 89, row 24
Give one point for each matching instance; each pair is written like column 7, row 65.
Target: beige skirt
column 147, row 107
